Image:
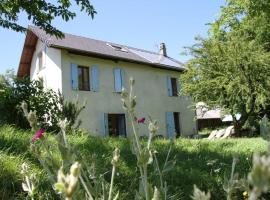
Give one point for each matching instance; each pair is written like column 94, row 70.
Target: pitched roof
column 97, row 48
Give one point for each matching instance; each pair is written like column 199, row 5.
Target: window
column 172, row 86
column 117, row 47
column 117, row 124
column 83, row 78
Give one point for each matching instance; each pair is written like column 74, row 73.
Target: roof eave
column 27, row 54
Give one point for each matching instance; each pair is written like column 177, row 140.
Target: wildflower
column 245, row 195
column 67, row 184
column 141, row 120
column 153, row 128
column 38, row 134
column 116, row 156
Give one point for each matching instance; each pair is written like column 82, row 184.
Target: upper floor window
column 83, row 78
column 172, row 86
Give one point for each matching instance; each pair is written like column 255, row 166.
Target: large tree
column 230, row 69
column 232, row 74
column 40, row 12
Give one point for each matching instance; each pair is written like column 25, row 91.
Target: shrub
column 50, row 106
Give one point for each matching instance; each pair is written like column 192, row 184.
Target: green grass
column 201, row 162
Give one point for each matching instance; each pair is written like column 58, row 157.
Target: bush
column 49, row 105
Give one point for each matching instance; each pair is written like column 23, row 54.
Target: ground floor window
column 117, row 125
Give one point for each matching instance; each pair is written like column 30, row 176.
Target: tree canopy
column 231, row 68
column 41, row 13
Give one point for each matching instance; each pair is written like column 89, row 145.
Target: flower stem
column 145, row 183
column 111, row 186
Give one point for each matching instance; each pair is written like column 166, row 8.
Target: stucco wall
column 51, row 70
column 150, row 89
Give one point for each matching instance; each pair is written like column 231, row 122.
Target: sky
column 138, row 23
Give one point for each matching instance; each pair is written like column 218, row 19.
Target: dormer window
column 117, row 47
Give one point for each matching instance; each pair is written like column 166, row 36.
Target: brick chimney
column 162, row 49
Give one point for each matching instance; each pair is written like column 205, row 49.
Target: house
column 212, row 118
column 96, row 71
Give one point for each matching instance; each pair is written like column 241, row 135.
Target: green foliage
column 50, row 106
column 201, row 162
column 232, row 74
column 230, row 69
column 248, row 18
column 41, row 13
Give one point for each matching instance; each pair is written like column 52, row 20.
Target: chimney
column 162, row 49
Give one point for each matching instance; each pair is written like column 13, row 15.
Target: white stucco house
column 96, row 71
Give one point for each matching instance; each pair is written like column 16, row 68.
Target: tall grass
column 201, row 162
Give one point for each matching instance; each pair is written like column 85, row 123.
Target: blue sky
column 142, row 24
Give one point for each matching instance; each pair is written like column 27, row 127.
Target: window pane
column 83, row 78
column 174, row 86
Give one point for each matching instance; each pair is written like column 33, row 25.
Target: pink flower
column 141, row 120
column 38, row 134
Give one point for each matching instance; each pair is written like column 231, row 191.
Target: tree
column 230, row 68
column 232, row 74
column 248, row 18
column 41, row 13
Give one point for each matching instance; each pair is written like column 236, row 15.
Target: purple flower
column 38, row 134
column 141, row 120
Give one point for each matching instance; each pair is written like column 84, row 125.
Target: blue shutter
column 74, row 76
column 122, row 79
column 170, row 125
column 169, row 86
column 94, row 80
column 118, row 80
column 104, row 124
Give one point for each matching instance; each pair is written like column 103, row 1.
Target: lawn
column 201, row 162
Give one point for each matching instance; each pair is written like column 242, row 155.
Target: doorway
column 117, row 125
column 176, row 116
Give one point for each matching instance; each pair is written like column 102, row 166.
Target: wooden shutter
column 74, row 76
column 94, row 79
column 104, row 124
column 170, row 125
column 118, row 80
column 169, row 86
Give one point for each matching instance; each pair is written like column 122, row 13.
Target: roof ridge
column 98, row 40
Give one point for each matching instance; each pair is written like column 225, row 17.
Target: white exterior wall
column 150, row 89
column 51, row 71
